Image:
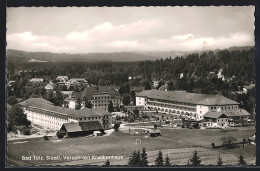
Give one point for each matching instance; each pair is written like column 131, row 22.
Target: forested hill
column 23, row 56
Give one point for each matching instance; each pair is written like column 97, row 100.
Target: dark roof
column 89, row 91
column 82, row 126
column 215, row 115
column 193, row 98
column 100, row 111
column 44, row 104
column 240, row 112
column 32, row 101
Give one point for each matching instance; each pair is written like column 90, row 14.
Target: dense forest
column 212, row 72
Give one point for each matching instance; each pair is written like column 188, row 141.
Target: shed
column 81, row 128
column 154, row 132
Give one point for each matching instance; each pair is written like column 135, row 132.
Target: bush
column 116, row 126
column 229, row 142
column 26, row 131
column 59, row 135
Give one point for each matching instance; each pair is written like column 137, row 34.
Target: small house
column 75, row 129
column 154, row 132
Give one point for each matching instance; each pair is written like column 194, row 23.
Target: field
column 177, row 143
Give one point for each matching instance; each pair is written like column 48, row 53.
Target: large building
column 192, row 105
column 99, row 96
column 47, row 115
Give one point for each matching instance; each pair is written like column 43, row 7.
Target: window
column 211, row 107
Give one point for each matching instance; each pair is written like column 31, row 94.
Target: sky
column 117, row 29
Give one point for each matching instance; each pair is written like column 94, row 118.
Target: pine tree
column 134, row 159
column 159, row 160
column 107, row 163
column 110, row 107
column 137, row 159
column 167, row 161
column 78, row 104
column 195, row 160
column 219, row 161
column 241, row 160
column 144, row 161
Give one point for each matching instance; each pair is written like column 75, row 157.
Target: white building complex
column 47, row 115
column 191, row 105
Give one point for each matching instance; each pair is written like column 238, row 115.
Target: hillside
column 23, row 56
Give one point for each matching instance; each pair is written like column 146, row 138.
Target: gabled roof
column 32, row 101
column 82, row 126
column 46, row 105
column 89, row 91
column 193, row 98
column 240, row 112
column 100, row 111
column 215, row 115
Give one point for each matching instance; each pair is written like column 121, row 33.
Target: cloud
column 107, row 37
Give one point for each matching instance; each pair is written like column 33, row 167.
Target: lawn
column 121, row 144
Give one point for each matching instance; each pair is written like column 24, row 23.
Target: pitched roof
column 215, row 115
column 100, row 111
column 240, row 112
column 32, row 101
column 44, row 104
column 194, row 98
column 83, row 126
column 89, row 91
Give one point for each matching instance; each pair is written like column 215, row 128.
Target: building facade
column 192, row 105
column 46, row 115
column 99, row 96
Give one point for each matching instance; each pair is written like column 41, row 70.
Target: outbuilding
column 154, row 132
column 75, row 129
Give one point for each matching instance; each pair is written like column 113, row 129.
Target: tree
column 134, row 160
column 107, row 163
column 136, row 113
column 155, row 126
column 170, row 86
column 241, row 160
column 228, row 142
column 12, row 100
column 159, row 160
column 58, row 99
column 195, row 160
column 219, row 161
column 117, row 108
column 132, row 94
column 78, row 104
column 59, row 134
column 167, row 161
column 147, row 85
column 16, row 117
column 116, row 126
column 144, row 161
column 88, row 103
column 126, row 99
column 110, row 107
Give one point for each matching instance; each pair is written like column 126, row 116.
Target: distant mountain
column 23, row 56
